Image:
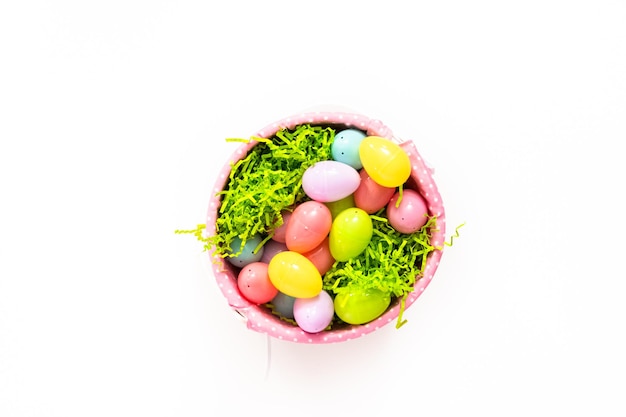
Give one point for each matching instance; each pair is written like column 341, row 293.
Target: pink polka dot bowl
column 259, row 318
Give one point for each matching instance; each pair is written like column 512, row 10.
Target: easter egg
column 345, row 147
column 283, row 305
column 314, row 314
column 411, row 213
column 321, row 257
column 385, row 161
column 361, row 306
column 350, row 234
column 247, row 254
column 271, row 248
column 294, row 275
column 371, row 196
column 308, row 226
column 254, row 283
column 338, row 206
column 327, row 181
column 279, row 232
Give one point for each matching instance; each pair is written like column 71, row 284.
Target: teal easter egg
column 247, row 255
column 345, row 147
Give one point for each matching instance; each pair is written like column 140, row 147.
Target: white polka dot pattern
column 261, row 320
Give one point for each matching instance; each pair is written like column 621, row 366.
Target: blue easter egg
column 247, row 254
column 345, row 147
column 283, row 304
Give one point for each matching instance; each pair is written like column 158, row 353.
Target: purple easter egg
column 327, row 181
column 314, row 314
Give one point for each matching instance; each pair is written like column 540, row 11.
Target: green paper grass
column 391, row 263
column 267, row 181
column 455, row 236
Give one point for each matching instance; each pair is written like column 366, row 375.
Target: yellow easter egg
column 294, row 275
column 384, row 161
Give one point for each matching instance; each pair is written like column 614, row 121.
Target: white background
column 113, row 117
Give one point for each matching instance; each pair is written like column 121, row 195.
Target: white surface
column 112, row 124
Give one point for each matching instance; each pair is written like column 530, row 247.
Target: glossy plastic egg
column 294, row 275
column 361, row 306
column 247, row 255
column 411, row 213
column 271, row 248
column 385, row 161
column 327, row 181
column 254, row 283
column 345, row 147
column 283, row 305
column 279, row 232
column 371, row 196
column 308, row 226
column 321, row 257
column 338, row 206
column 314, row 314
column 350, row 234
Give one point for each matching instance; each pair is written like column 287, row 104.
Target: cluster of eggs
column 363, row 177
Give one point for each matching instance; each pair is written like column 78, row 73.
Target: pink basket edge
column 257, row 318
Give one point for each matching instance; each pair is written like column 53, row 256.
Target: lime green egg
column 350, row 234
column 338, row 206
column 361, row 306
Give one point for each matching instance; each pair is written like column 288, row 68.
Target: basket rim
column 258, row 318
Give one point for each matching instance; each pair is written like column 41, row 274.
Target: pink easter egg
column 321, row 257
column 411, row 213
column 371, row 196
column 279, row 232
column 327, row 181
column 254, row 283
column 308, row 226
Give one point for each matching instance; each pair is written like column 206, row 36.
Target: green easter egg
column 338, row 206
column 361, row 306
column 350, row 234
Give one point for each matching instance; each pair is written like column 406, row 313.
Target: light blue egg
column 345, row 147
column 247, row 255
column 283, row 304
